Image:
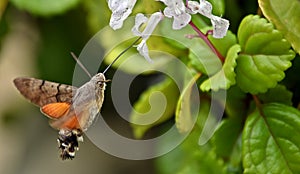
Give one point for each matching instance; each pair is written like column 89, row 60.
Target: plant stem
column 207, row 41
column 258, row 104
column 257, row 101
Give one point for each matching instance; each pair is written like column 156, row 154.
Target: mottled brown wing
column 41, row 92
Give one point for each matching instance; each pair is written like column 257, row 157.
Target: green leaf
column 45, row 7
column 152, row 108
column 204, row 63
column 279, row 94
column 264, row 58
column 210, row 64
column 190, row 158
column 218, row 7
column 183, row 115
column 226, row 77
column 227, row 143
column 235, row 165
column 286, row 16
column 226, row 136
column 271, row 141
column 236, row 105
column 224, row 44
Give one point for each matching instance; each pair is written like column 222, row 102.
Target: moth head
column 99, row 80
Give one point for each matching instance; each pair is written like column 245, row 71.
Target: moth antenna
column 80, row 64
column 121, row 54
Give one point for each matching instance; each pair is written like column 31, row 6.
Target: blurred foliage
column 54, row 58
column 189, row 157
column 45, row 7
column 285, row 22
column 260, row 129
column 148, row 101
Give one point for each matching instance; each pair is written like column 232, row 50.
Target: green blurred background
column 36, row 38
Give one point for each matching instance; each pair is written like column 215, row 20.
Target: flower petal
column 177, row 10
column 152, row 22
column 168, row 12
column 154, row 19
column 181, row 21
column 205, row 8
column 220, row 26
column 193, row 7
column 139, row 20
column 143, row 50
column 166, row 2
column 120, row 11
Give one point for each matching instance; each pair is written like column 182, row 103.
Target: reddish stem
column 207, row 41
column 258, row 104
column 257, row 101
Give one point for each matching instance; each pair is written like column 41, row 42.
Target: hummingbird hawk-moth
column 71, row 110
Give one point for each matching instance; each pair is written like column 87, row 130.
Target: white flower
column 177, row 10
column 220, row 25
column 204, row 8
column 143, row 50
column 139, row 20
column 152, row 22
column 121, row 9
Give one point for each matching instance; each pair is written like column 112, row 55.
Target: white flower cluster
column 175, row 9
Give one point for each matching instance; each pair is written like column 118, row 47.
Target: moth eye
column 100, row 83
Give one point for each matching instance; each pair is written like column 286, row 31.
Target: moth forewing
column 42, row 92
